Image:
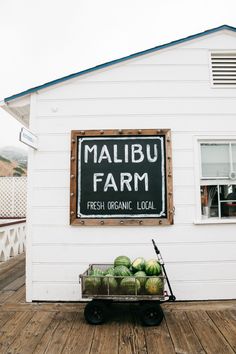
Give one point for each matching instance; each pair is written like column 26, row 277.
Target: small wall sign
column 28, row 138
column 121, row 177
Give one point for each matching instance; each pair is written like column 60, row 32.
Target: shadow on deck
column 188, row 327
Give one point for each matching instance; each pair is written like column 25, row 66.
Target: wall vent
column 223, row 68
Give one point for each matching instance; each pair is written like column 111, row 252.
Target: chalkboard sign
column 121, row 177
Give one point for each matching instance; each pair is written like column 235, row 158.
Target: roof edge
column 116, row 61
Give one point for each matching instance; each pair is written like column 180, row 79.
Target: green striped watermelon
column 92, row 284
column 141, row 277
column 109, row 282
column 122, row 261
column 154, row 286
column 138, row 264
column 130, row 286
column 110, row 271
column 121, row 271
column 152, row 267
column 96, row 271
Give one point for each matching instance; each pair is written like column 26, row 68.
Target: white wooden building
column 187, row 86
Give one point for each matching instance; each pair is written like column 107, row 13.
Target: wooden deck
column 188, row 327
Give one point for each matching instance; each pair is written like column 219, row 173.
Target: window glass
column 233, row 147
column 209, row 201
column 218, row 201
column 215, row 160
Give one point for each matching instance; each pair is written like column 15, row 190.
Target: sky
column 47, row 39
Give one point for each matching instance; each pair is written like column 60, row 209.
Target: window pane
column 215, row 160
column 218, row 201
column 228, row 200
column 234, row 156
column 209, row 202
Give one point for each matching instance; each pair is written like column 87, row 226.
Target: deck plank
column 11, row 263
column 105, row 339
column 16, row 297
column 131, row 337
column 158, row 339
column 4, row 295
column 12, row 329
column 181, row 332
column 209, row 335
column 226, row 322
column 200, row 305
column 11, row 270
column 46, row 337
column 16, row 284
column 59, row 337
column 4, row 317
column 126, row 337
column 80, row 338
column 31, row 334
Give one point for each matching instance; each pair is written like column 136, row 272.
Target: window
column 218, row 179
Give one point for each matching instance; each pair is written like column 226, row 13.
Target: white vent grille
column 223, row 68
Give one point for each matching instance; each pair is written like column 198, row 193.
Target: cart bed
column 103, row 288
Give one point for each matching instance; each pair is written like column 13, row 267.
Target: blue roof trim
column 116, row 61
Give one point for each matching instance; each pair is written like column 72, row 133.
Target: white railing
column 12, row 239
column 13, row 197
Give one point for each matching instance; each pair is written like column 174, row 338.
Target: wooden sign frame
column 117, row 221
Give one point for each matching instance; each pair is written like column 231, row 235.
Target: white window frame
column 198, row 176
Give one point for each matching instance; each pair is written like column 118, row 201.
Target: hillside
column 12, row 162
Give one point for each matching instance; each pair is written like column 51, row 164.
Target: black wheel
column 95, row 312
column 151, row 314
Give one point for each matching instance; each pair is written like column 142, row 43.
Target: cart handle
column 158, row 253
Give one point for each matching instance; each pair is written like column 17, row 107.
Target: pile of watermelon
column 139, row 277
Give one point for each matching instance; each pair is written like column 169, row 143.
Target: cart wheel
column 151, row 314
column 95, row 312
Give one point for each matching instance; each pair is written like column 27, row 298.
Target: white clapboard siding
column 182, row 233
column 184, row 252
column 58, row 143
column 51, row 178
column 167, row 89
column 61, row 291
column 182, row 159
column 59, row 197
column 178, row 56
column 205, row 290
column 138, row 106
column 56, row 160
column 178, row 122
column 183, row 195
column 123, row 72
column 119, row 89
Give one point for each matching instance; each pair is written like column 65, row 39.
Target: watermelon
column 130, row 286
column 121, row 271
column 154, row 286
column 92, row 284
column 138, row 264
column 122, row 261
column 109, row 271
column 152, row 267
column 109, row 282
column 96, row 271
column 142, row 277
